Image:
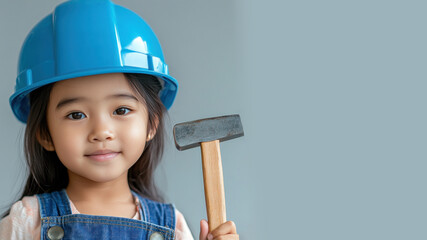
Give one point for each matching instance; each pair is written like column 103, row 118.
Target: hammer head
column 191, row 134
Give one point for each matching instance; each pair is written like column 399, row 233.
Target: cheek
column 136, row 132
column 134, row 137
column 67, row 141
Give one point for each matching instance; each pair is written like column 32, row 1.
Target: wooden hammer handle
column 214, row 184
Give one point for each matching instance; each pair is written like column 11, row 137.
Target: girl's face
column 98, row 126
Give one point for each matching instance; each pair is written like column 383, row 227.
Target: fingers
column 226, row 237
column 204, row 230
column 226, row 231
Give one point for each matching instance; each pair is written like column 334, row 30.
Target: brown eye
column 76, row 116
column 121, row 111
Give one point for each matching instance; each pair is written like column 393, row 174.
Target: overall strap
column 158, row 213
column 54, row 204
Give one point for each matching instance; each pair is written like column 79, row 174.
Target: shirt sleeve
column 23, row 221
column 182, row 231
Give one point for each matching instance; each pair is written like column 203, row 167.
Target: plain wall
column 332, row 100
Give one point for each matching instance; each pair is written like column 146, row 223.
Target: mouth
column 102, row 155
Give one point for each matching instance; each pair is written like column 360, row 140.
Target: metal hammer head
column 191, row 134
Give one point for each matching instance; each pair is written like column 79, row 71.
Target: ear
column 45, row 141
column 152, row 132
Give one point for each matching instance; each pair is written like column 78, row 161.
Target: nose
column 101, row 131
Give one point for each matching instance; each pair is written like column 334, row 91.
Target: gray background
column 332, row 99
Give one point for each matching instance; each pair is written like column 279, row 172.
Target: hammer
column 207, row 133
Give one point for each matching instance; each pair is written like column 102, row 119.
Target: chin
column 103, row 178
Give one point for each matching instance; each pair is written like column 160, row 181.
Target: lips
column 102, row 155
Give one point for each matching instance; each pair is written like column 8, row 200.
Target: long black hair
column 48, row 174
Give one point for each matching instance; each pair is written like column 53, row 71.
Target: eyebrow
column 67, row 101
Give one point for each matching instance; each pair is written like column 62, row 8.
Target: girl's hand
column 225, row 231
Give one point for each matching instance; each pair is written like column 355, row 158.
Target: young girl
column 92, row 88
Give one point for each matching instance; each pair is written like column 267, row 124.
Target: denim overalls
column 57, row 222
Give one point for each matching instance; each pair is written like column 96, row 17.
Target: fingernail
column 210, row 237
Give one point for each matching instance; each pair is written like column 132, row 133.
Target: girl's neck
column 81, row 189
column 112, row 198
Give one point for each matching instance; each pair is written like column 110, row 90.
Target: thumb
column 204, row 230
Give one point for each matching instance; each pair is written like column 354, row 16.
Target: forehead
column 96, row 86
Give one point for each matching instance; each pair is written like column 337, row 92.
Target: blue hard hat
column 81, row 38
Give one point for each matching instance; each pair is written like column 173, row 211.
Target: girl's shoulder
column 182, row 231
column 23, row 221
column 156, row 212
